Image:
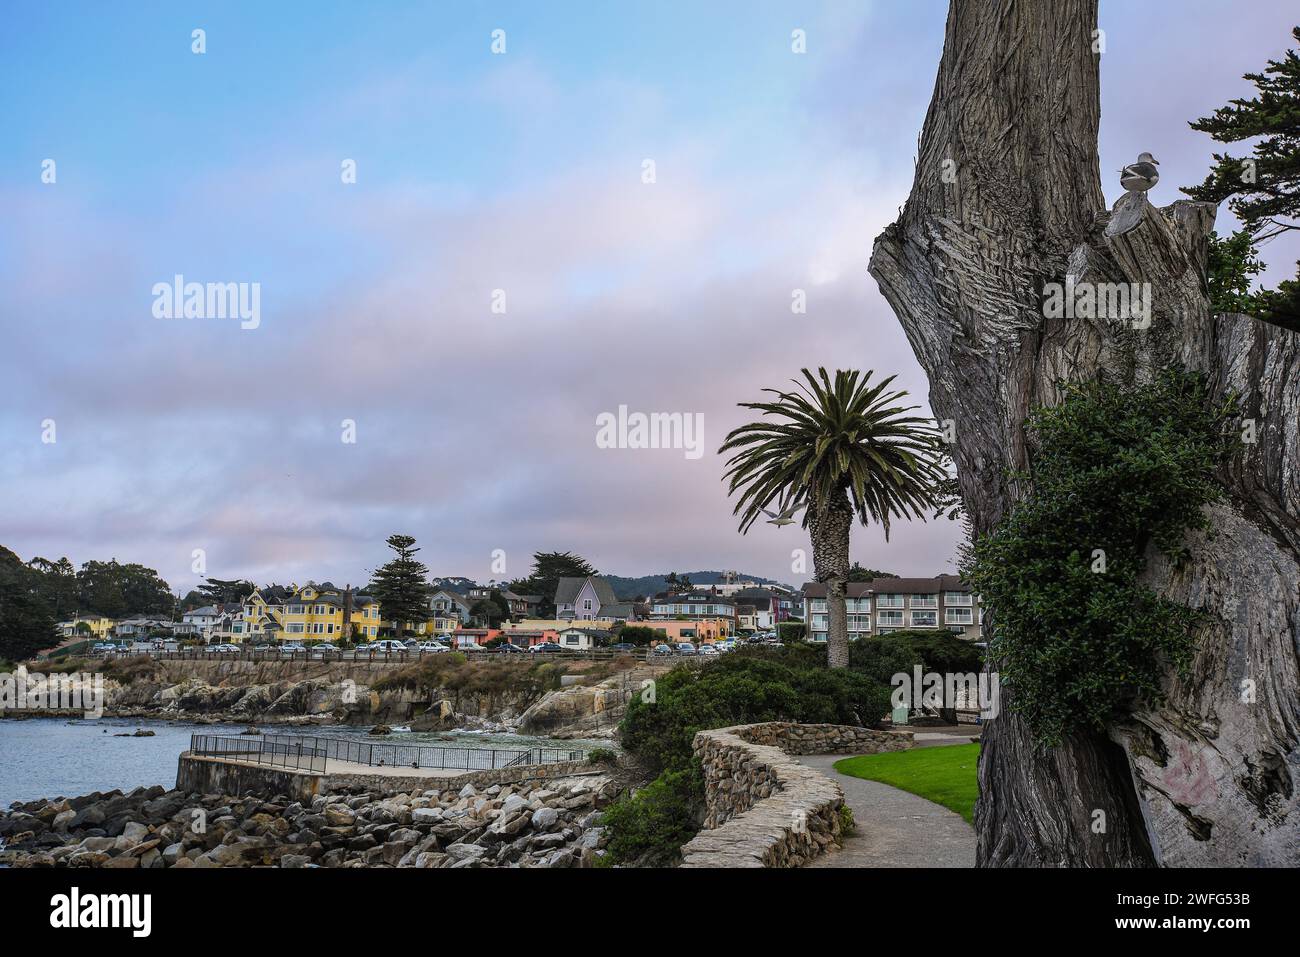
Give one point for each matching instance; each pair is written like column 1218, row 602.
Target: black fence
column 306, row 753
column 300, row 754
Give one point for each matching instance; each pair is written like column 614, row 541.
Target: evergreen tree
column 1263, row 190
column 548, row 569
column 26, row 617
column 400, row 585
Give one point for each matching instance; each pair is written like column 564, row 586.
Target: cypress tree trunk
column 829, row 530
column 1007, row 199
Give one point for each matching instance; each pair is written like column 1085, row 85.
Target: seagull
column 785, row 518
column 1140, row 176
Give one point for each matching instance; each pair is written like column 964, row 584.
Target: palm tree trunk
column 829, row 530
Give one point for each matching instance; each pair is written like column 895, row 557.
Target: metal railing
column 299, row 755
column 313, row 753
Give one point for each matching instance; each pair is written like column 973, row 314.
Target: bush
column 602, row 756
column 639, row 634
column 649, row 827
column 1077, row 638
column 789, row 631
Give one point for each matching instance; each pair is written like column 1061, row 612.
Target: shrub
column 601, row 756
column 789, row 631
column 649, row 827
column 1077, row 638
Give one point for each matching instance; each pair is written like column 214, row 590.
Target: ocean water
column 58, row 757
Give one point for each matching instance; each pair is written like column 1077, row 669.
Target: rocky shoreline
column 306, row 694
column 554, row 823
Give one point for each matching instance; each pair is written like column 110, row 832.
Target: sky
column 483, row 180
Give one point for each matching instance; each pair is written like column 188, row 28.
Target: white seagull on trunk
column 1140, row 176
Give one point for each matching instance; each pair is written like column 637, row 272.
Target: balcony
column 889, row 619
column 959, row 599
column 925, row 619
column 958, row 616
column 889, row 601
column 925, row 601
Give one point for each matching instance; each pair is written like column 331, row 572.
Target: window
column 819, row 604
column 925, row 619
column 586, row 604
column 925, row 601
column 295, row 629
column 886, row 618
column 571, row 639
column 958, row 616
column 962, row 598
column 890, row 601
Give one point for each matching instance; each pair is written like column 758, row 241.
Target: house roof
column 893, row 586
column 568, row 589
column 594, row 632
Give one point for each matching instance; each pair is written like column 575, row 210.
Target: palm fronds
column 824, row 439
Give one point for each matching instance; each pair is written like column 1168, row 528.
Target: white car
column 708, row 651
column 324, row 650
column 386, row 645
column 225, row 649
column 292, row 647
column 427, row 647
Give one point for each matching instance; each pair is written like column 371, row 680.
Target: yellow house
column 310, row 613
column 98, row 625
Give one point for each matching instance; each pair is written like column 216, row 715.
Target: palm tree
column 842, row 450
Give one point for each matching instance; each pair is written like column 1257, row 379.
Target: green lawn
column 943, row 775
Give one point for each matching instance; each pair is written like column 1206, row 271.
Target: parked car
column 325, row 649
column 624, row 646
column 411, row 644
column 505, row 648
column 293, row 647
column 386, row 645
column 105, row 647
column 664, row 649
column 708, row 650
column 684, row 648
column 225, row 649
column 431, row 647
column 264, row 647
column 545, row 646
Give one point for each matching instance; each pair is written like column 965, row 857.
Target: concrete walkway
column 895, row 828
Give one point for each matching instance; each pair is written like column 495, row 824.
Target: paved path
column 895, row 828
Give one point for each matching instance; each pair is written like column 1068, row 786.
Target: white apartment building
column 883, row 605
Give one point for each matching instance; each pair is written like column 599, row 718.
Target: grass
column 944, row 775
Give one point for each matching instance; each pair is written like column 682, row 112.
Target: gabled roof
column 568, row 589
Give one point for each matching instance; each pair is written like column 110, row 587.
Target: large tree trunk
column 1006, row 199
column 829, row 530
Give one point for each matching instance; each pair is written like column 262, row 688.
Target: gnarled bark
column 1007, row 199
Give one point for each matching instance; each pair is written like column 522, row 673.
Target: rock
column 134, row 832
column 380, row 729
column 544, row 818
column 462, row 852
column 339, row 815
column 295, row 861
column 426, row 815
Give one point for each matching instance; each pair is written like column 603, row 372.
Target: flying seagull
column 1140, row 176
column 785, row 518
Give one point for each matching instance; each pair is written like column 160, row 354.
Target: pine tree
column 400, row 585
column 1262, row 190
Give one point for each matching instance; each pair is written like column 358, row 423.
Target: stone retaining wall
column 764, row 809
column 204, row 774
